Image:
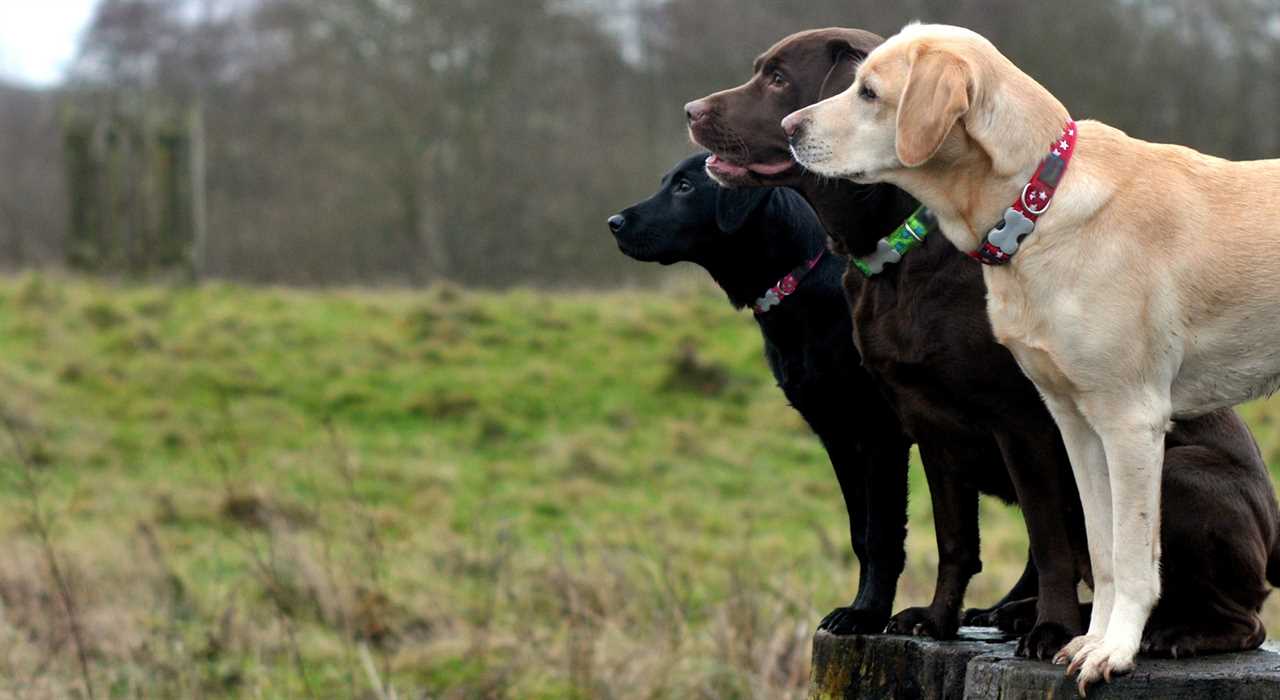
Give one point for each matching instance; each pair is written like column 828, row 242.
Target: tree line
column 486, row 141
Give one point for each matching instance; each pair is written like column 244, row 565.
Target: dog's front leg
column 955, row 522
column 1044, row 497
column 873, row 480
column 1089, row 466
column 1132, row 435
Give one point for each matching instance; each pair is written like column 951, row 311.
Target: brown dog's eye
column 777, row 79
column 867, row 94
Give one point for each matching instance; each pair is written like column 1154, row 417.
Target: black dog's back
column 748, row 240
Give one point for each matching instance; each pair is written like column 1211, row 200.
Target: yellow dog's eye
column 867, row 93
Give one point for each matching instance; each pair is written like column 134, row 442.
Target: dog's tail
column 1273, row 561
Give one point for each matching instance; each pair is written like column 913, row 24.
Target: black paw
column 979, row 617
column 1171, row 642
column 1013, row 618
column 924, row 622
column 846, row 621
column 1044, row 641
column 1016, row 618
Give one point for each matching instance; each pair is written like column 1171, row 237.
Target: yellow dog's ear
column 937, row 95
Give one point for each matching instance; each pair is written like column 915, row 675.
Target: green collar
column 890, row 249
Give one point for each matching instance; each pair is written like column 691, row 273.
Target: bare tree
column 485, row 141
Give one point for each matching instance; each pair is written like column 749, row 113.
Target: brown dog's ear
column 844, row 64
column 937, row 95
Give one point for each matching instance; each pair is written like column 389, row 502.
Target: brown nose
column 696, row 111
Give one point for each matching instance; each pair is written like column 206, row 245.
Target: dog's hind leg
column 1217, row 533
column 1219, row 628
column 1132, row 429
column 1209, row 637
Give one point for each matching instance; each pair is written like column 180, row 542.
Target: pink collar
column 786, row 286
column 1020, row 219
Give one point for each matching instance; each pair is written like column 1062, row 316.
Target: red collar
column 786, row 286
column 1020, row 219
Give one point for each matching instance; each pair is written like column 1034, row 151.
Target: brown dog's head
column 741, row 126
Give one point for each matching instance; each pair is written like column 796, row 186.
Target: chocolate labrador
column 921, row 325
column 760, row 246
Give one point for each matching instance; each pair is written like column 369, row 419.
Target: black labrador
column 922, row 329
column 750, row 240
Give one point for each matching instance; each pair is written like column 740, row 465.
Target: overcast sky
column 38, row 37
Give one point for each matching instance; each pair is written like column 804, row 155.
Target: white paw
column 1101, row 660
column 1073, row 647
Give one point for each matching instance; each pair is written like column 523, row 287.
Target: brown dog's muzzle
column 722, row 124
column 697, row 111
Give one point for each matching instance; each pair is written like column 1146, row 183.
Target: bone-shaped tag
column 768, row 301
column 885, row 255
column 1008, row 233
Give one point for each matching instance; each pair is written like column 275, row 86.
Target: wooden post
column 82, row 179
column 980, row 666
column 199, row 216
column 136, row 181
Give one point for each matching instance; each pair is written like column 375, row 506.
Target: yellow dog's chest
column 1022, row 331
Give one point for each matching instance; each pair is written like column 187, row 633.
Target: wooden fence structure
column 135, row 182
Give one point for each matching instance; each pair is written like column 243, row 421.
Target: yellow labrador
column 1148, row 291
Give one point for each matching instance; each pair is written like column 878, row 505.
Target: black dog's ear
column 844, row 63
column 735, row 205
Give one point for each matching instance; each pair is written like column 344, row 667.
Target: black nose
column 616, row 222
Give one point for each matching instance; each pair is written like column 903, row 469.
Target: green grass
column 276, row 493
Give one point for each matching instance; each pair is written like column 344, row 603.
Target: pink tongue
column 724, row 166
column 773, row 169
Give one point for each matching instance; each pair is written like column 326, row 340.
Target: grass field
column 442, row 494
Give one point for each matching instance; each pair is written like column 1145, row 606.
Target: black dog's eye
column 867, row 93
column 777, row 79
column 682, row 187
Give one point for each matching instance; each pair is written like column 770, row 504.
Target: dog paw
column 1043, row 641
column 1174, row 642
column 1073, row 647
column 846, row 621
column 1015, row 618
column 979, row 617
column 924, row 622
column 1100, row 660
column 1018, row 617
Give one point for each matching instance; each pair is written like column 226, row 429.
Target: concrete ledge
column 982, row 665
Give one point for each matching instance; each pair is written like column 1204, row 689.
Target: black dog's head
column 688, row 219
